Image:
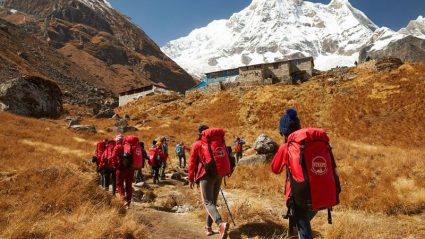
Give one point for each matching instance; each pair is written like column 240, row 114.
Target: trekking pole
column 227, row 206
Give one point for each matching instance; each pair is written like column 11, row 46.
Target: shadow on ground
column 266, row 229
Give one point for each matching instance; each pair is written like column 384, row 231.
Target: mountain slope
column 415, row 28
column 268, row 30
column 24, row 54
column 100, row 40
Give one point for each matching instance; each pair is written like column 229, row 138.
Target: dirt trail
column 163, row 223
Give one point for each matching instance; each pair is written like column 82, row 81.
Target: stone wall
column 124, row 99
column 302, row 65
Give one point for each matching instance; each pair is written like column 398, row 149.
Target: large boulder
column 256, row 159
column 265, row 145
column 31, row 96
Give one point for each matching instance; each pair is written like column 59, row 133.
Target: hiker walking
column 311, row 180
column 208, row 164
column 138, row 171
column 124, row 171
column 238, row 148
column 155, row 160
column 107, row 167
column 181, row 154
column 164, row 149
column 100, row 148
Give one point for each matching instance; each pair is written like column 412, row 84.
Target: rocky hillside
column 22, row 53
column 115, row 53
column 354, row 103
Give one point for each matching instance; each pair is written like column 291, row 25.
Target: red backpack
column 154, row 157
column 106, row 161
column 132, row 147
column 100, row 148
column 215, row 158
column 312, row 170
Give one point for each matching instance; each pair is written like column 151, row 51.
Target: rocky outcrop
column 265, row 145
column 408, row 49
column 265, row 148
column 102, row 41
column 256, row 159
column 84, row 128
column 31, row 96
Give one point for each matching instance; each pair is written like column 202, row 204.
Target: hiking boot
column 223, row 229
column 208, row 231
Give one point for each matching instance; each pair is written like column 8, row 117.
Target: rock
column 148, row 197
column 256, row 159
column 105, row 114
column 127, row 117
column 130, row 129
column 388, row 63
column 138, row 195
column 31, row 96
column 85, row 128
column 177, row 176
column 119, row 129
column 264, row 145
column 72, row 120
column 182, row 209
column 4, row 28
column 122, row 123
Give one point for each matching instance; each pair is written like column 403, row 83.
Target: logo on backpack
column 219, row 152
column 319, row 166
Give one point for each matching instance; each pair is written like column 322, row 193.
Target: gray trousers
column 210, row 188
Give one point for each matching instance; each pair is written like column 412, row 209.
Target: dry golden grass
column 375, row 130
column 48, row 186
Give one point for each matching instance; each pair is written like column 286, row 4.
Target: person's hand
column 191, row 185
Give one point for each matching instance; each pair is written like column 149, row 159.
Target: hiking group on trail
column 312, row 183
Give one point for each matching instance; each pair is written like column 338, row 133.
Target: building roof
column 281, row 61
column 144, row 88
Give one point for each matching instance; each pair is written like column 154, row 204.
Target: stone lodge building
column 286, row 72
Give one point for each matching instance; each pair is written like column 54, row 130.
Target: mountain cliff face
column 270, row 30
column 103, row 42
column 415, row 28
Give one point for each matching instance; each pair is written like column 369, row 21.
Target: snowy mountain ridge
column 271, row 30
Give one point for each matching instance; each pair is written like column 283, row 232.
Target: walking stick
column 227, row 206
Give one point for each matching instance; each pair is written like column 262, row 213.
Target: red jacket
column 117, row 155
column 107, row 155
column 279, row 162
column 195, row 164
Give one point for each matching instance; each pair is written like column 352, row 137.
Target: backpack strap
column 330, row 215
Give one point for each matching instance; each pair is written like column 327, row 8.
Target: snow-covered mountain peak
column 271, row 30
column 415, row 28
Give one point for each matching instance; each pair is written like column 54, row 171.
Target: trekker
column 164, row 148
column 155, row 160
column 209, row 182
column 107, row 167
column 181, row 154
column 124, row 172
column 139, row 175
column 100, row 148
column 238, row 148
column 308, row 160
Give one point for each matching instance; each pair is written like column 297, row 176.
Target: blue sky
column 165, row 20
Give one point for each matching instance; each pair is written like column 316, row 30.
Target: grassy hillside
column 375, row 120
